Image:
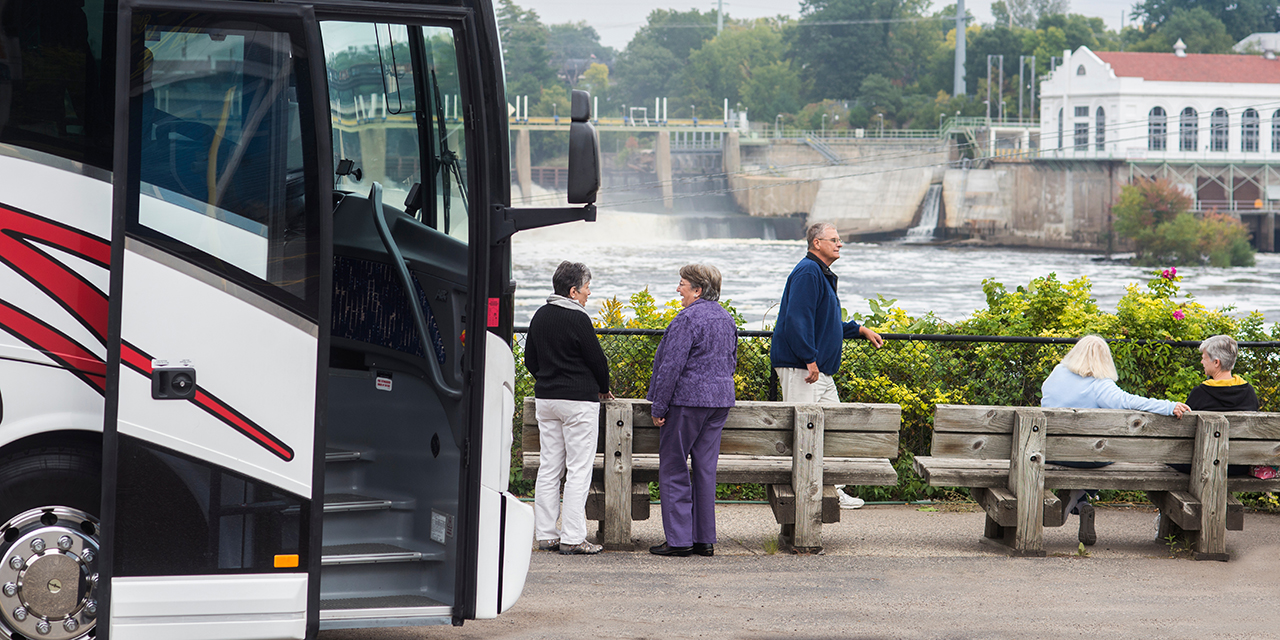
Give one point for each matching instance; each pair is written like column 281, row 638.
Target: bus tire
column 49, row 542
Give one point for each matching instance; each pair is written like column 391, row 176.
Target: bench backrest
column 850, row 430
column 1102, row 435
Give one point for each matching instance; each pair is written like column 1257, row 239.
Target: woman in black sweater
column 571, row 377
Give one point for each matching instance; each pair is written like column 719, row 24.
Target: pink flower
column 1178, row 315
column 1170, row 273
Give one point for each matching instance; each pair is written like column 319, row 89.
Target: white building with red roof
column 1162, row 107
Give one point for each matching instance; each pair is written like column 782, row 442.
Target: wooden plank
column 782, row 500
column 984, row 446
column 617, row 477
column 1182, row 510
column 1178, row 507
column 639, row 501
column 776, row 470
column 949, row 472
column 1254, row 452
column 772, row 442
column 1026, row 481
column 754, row 414
column 1104, row 422
column 806, row 477
column 1209, row 485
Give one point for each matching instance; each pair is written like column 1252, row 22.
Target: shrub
column 1155, row 215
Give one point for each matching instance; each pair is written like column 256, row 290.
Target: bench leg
column 1026, row 481
column 1209, row 484
column 993, row 530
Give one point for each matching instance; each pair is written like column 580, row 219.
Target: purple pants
column 689, row 498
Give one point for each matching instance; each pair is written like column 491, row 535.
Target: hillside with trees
column 856, row 61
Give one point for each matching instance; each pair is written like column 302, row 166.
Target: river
column 630, row 251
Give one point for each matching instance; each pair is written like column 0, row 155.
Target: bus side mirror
column 584, row 152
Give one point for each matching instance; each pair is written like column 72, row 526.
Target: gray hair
column 569, row 275
column 1223, row 349
column 811, row 234
column 705, row 277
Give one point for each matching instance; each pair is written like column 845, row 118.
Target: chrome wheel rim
column 49, row 575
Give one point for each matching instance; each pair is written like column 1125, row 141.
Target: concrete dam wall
column 877, row 187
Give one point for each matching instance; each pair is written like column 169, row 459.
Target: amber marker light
column 287, row 561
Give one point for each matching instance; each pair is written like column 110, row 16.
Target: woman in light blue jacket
column 1086, row 379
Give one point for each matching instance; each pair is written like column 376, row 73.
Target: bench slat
column 752, row 414
column 761, row 442
column 988, row 446
column 1102, row 422
column 752, row 469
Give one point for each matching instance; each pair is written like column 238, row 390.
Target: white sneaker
column 850, row 502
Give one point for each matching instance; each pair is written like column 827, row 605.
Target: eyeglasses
column 835, row 240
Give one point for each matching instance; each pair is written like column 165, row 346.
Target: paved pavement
column 896, row 572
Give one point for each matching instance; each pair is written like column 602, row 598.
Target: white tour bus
column 255, row 310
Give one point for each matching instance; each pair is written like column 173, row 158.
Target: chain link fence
column 919, row 372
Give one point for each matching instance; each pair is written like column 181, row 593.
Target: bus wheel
column 49, row 543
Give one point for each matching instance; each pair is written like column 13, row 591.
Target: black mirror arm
column 411, row 296
column 508, row 220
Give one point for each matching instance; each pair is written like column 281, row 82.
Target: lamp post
column 554, row 116
column 824, row 125
column 881, row 116
column 777, row 126
column 691, row 114
column 940, row 117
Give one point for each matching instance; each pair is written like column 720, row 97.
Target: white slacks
column 567, row 437
column 795, row 389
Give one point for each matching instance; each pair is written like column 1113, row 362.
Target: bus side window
column 55, row 91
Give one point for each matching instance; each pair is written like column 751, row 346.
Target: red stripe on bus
column 59, row 347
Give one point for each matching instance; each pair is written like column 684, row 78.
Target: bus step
column 379, row 602
column 334, row 502
column 341, row 455
column 373, row 553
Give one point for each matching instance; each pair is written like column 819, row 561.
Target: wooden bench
column 1000, row 454
column 799, row 451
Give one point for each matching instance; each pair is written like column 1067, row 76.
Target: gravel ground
column 895, row 572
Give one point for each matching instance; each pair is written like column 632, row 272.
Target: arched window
column 1218, row 129
column 1249, row 131
column 1157, row 129
column 1275, row 132
column 1059, row 128
column 1189, row 130
column 1080, row 70
column 1100, row 130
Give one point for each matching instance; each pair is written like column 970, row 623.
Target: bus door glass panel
column 396, row 115
column 221, row 277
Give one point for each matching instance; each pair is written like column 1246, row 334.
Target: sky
column 617, row 20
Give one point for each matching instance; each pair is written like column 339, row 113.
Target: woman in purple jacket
column 692, row 390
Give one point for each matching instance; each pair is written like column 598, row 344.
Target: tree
column 644, row 71
column 1156, row 215
column 1197, row 28
column 524, row 50
column 771, row 90
column 1238, row 17
column 574, row 46
column 838, row 43
column 652, row 65
column 724, row 64
column 879, row 96
column 1026, row 13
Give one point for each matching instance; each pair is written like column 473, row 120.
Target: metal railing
column 919, row 372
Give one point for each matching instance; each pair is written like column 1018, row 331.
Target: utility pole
column 959, row 88
column 719, row 16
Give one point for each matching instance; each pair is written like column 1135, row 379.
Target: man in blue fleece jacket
column 809, row 333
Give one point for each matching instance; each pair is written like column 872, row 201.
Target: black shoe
column 704, row 549
column 1087, row 534
column 665, row 549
